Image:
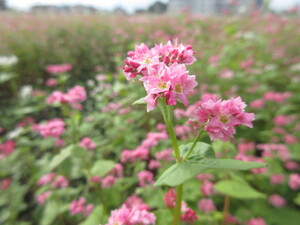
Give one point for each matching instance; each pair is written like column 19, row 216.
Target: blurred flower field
column 109, row 120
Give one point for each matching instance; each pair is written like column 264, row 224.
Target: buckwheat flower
column 207, row 188
column 117, row 171
column 56, row 69
column 206, row 205
column 46, row 179
column 7, row 148
column 153, row 164
column 42, row 198
column 221, row 117
column 60, row 182
column 5, row 184
column 57, row 97
column 189, row 216
column 277, row 178
column 145, row 178
column 204, row 177
column 256, row 221
column 108, row 181
column 281, row 120
column 52, row 128
column 77, row 206
column 87, row 143
column 95, row 179
column 170, row 198
column 291, row 165
column 277, row 201
column 290, row 139
column 294, row 181
column 59, row 142
column 88, row 209
column 258, row 104
column 135, row 202
column 51, row 82
column 76, row 94
column 165, row 155
column 226, row 74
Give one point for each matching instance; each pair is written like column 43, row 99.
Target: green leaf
column 50, row 213
column 60, row 157
column 139, row 101
column 237, row 189
column 201, row 150
column 102, row 167
column 297, row 199
column 181, row 172
column 94, row 217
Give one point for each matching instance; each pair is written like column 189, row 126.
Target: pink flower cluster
column 42, row 198
column 142, row 151
column 277, row 201
column 145, row 178
column 5, row 183
column 110, row 179
column 79, row 207
column 74, row 96
column 55, row 69
column 87, row 143
column 163, row 71
column 276, row 96
column 256, row 221
column 132, row 212
column 56, row 181
column 7, row 148
column 206, row 205
column 52, row 128
column 294, row 181
column 221, row 117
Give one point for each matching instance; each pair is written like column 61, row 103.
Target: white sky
column 129, row 5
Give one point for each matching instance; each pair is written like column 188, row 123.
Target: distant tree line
column 3, row 5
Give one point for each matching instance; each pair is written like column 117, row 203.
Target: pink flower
column 59, row 142
column 60, row 182
column 281, row 120
column 7, row 148
column 76, row 94
column 131, row 216
column 257, row 104
column 42, row 198
column 51, row 82
column 277, row 178
column 256, row 221
column 221, row 117
column 55, row 69
column 291, row 165
column 277, row 201
column 170, row 198
column 5, row 184
column 214, row 60
column 277, row 97
column 79, row 207
column 28, row 120
column 207, row 188
column 290, row 139
column 108, row 181
column 46, row 179
column 87, row 143
column 226, row 73
column 165, row 155
column 204, row 176
column 145, row 177
column 153, row 164
column 294, row 181
column 52, row 128
column 57, row 97
column 206, row 205
column 189, row 216
column 95, row 179
column 135, row 202
column 117, row 171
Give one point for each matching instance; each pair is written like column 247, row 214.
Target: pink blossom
column 108, row 181
column 256, row 221
column 145, row 177
column 135, row 202
column 153, row 164
column 5, row 184
column 277, row 97
column 42, row 198
column 88, row 209
column 59, row 142
column 189, row 216
column 51, row 82
column 28, row 120
column 170, row 198
column 290, row 139
column 46, row 179
column 221, row 117
column 79, row 207
column 87, row 143
column 226, row 73
column 117, row 171
column 55, row 69
column 124, row 111
column 165, row 155
column 277, row 201
column 294, row 181
column 244, row 147
column 204, row 176
column 131, row 216
column 258, row 104
column 246, row 64
column 214, row 60
column 281, row 120
column 95, row 179
column 206, row 205
column 60, row 182
column 291, row 165
column 52, row 128
column 207, row 188
column 7, row 148
column 57, row 97
column 277, row 178
column 76, row 94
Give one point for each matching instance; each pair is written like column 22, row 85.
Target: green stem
column 194, row 144
column 177, row 212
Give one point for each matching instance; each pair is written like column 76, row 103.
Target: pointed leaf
column 181, row 172
column 237, row 189
column 201, row 150
column 60, row 157
column 102, row 167
column 139, row 101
